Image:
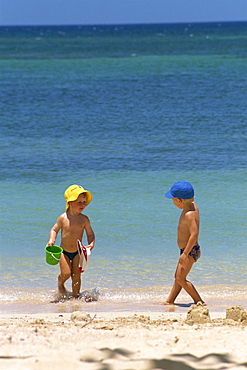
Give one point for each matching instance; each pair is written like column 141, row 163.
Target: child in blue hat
column 182, row 194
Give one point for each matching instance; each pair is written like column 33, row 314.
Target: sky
column 95, row 12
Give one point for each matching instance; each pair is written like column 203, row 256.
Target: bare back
column 188, row 226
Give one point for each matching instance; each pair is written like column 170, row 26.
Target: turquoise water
column 125, row 112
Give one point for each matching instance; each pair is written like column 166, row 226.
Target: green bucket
column 53, row 254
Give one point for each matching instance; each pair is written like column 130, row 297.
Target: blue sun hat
column 181, row 190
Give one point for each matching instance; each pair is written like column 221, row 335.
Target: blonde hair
column 188, row 201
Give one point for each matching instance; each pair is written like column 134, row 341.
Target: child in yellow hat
column 72, row 224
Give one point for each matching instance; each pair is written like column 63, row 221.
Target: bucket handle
column 55, row 257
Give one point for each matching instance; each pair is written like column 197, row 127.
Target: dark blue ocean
column 125, row 111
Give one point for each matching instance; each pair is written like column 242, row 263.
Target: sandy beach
column 193, row 339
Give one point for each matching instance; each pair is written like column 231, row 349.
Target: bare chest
column 72, row 225
column 182, row 226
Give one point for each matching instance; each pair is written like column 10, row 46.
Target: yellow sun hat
column 73, row 192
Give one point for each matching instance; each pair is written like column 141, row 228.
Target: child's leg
column 176, row 289
column 65, row 273
column 180, row 278
column 76, row 277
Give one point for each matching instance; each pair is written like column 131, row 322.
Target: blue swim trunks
column 195, row 252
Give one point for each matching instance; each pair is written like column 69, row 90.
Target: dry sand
column 195, row 339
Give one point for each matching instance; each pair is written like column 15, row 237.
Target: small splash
column 86, row 295
column 90, row 296
column 58, row 297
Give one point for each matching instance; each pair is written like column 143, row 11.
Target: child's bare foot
column 62, row 291
column 170, row 306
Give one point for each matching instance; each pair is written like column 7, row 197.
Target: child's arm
column 90, row 234
column 54, row 231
